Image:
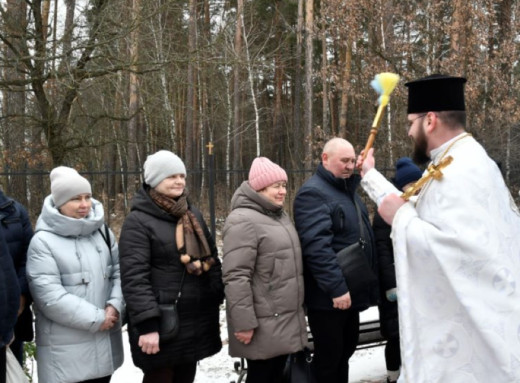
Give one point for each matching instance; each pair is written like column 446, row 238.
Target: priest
column 457, row 247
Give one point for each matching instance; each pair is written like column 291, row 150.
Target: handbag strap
column 360, row 222
column 180, row 288
column 106, row 237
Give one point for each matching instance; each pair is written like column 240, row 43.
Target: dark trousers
column 105, row 379
column 335, row 334
column 3, row 362
column 392, row 354
column 179, row 373
column 266, row 370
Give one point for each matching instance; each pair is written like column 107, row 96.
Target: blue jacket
column 326, row 220
column 9, row 293
column 18, row 233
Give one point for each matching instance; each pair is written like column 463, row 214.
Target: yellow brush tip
column 388, row 82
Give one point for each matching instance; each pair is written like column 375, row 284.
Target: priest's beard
column 420, row 156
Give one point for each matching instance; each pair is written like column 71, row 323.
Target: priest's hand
column 343, row 302
column 389, row 206
column 364, row 165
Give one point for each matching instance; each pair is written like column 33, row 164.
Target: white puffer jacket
column 72, row 278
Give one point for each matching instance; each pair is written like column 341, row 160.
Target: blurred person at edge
column 327, row 221
column 152, row 268
column 262, row 253
column 74, row 279
column 18, row 233
column 456, row 247
column 9, row 302
column 406, row 174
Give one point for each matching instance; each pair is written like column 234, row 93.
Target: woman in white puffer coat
column 75, row 282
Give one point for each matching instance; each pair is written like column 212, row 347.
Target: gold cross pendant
column 433, row 172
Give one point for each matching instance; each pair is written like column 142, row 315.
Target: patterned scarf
column 193, row 241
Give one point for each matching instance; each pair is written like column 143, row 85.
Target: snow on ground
column 365, row 365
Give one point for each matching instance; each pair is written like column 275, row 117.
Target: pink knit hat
column 264, row 172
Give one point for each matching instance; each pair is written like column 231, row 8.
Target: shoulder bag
column 169, row 323
column 359, row 275
column 299, row 368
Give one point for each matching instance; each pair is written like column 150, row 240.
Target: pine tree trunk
column 13, row 100
column 237, row 95
column 297, row 130
column 133, row 103
column 309, row 38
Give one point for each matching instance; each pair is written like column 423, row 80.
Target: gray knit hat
column 161, row 165
column 67, row 183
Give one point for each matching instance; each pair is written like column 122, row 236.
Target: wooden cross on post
column 210, row 147
column 433, row 172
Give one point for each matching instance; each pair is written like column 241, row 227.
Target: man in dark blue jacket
column 9, row 302
column 18, row 233
column 327, row 221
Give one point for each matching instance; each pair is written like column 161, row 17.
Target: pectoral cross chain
column 433, row 172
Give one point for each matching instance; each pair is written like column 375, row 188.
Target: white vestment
column 457, row 258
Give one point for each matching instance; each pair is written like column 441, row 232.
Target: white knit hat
column 67, row 183
column 161, row 165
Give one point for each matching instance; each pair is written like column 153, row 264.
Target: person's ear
column 431, row 122
column 324, row 157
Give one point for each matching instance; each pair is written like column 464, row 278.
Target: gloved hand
column 391, row 294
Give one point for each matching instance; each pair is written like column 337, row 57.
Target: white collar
column 436, row 153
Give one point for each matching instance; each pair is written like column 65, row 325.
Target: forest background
column 99, row 84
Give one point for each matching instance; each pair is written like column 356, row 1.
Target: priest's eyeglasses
column 411, row 122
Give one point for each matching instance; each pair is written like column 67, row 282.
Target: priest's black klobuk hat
column 436, row 93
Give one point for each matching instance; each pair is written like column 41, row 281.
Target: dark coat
column 9, row 293
column 18, row 233
column 151, row 273
column 326, row 220
column 385, row 252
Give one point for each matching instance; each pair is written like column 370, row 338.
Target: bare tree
column 133, row 102
column 190, row 127
column 309, row 39
column 297, row 83
column 13, row 100
column 250, row 77
column 324, row 83
column 237, row 91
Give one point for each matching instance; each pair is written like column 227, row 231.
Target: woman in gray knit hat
column 73, row 275
column 166, row 248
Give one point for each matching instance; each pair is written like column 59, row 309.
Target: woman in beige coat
column 263, row 276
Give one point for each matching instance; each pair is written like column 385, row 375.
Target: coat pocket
column 338, row 220
column 76, row 283
column 75, row 279
column 277, row 275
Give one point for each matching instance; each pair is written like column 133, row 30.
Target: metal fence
column 209, row 189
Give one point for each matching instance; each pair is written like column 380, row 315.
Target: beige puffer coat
column 263, row 277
